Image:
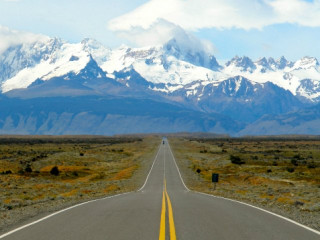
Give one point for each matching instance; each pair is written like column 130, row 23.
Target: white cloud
column 297, row 12
column 10, row 38
column 244, row 14
column 161, row 31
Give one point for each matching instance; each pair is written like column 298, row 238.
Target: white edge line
column 261, row 209
column 178, row 169
column 53, row 214
column 77, row 205
column 150, row 170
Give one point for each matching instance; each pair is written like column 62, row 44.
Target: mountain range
column 54, row 87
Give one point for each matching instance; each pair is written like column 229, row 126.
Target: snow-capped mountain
column 99, row 52
column 271, row 64
column 168, row 68
column 17, row 58
column 243, row 90
column 239, row 98
column 285, row 74
column 165, row 64
column 67, row 58
column 243, row 64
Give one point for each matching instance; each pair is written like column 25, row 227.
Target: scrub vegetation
column 43, row 174
column 282, row 175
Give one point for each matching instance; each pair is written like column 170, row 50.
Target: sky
column 254, row 28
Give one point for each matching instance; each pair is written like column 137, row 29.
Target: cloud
column 161, row 32
column 304, row 13
column 244, row 14
column 10, row 38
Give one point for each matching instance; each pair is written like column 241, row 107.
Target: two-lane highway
column 163, row 209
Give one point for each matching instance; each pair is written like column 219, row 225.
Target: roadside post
column 215, row 179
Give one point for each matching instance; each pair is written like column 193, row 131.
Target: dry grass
column 125, row 173
column 277, row 174
column 87, row 168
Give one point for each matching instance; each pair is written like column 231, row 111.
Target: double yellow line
column 162, row 234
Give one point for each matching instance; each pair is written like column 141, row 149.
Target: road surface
column 163, row 209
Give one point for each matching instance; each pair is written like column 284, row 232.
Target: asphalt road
column 163, row 209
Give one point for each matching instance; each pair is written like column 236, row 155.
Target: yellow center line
column 162, row 235
column 171, row 221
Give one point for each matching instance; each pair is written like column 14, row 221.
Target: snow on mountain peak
column 306, row 63
column 26, row 55
column 263, row 62
column 196, row 56
column 67, row 58
column 169, row 63
column 282, row 63
column 241, row 63
column 169, row 67
column 98, row 51
column 309, row 89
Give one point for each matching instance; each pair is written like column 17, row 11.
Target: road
column 163, row 209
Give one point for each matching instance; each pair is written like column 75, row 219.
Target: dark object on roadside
column 81, row 154
column 198, row 170
column 269, row 171
column 215, row 177
column 55, row 171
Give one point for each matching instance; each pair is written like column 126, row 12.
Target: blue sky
column 254, row 28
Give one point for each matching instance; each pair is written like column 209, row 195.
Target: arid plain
column 40, row 175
